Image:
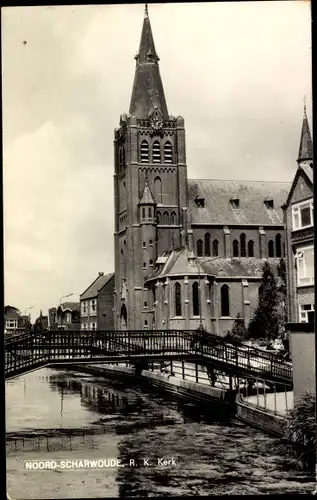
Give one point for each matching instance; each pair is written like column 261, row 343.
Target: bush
column 300, row 430
column 238, row 333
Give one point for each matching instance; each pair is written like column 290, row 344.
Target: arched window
column 144, row 152
column 168, row 152
column 278, row 245
column 199, row 248
column 250, row 248
column 207, row 245
column 195, row 299
column 151, row 262
column 165, row 218
column 173, row 218
column 144, row 265
column 158, row 190
column 271, row 248
column 156, row 152
column 225, row 310
column 235, row 246
column 243, row 251
column 150, row 213
column 143, row 212
column 178, row 299
column 158, row 217
column 215, row 248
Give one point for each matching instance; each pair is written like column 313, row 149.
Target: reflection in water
column 211, row 458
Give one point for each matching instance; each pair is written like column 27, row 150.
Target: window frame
column 303, row 313
column 178, row 300
column 300, row 257
column 296, row 211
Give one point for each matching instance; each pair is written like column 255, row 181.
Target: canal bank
column 224, row 402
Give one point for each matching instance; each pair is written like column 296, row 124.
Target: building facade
column 96, row 304
column 187, row 252
column 14, row 322
column 68, row 316
column 299, row 225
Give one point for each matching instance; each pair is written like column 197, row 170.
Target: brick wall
column 105, row 304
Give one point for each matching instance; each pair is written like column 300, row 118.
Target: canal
column 73, row 416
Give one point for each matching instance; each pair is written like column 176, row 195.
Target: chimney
column 100, row 273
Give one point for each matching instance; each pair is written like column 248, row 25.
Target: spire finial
column 146, row 12
column 305, row 114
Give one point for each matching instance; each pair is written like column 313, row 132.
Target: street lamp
column 28, row 309
column 64, row 297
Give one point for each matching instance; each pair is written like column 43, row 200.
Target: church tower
column 150, row 185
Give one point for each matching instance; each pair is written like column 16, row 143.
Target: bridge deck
column 30, row 351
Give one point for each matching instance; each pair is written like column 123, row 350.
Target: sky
column 236, row 72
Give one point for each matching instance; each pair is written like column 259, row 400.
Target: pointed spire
column 148, row 91
column 306, row 143
column 147, row 197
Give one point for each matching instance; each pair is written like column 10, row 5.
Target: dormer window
column 269, row 203
column 235, row 203
column 200, row 202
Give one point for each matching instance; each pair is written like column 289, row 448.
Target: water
column 211, row 457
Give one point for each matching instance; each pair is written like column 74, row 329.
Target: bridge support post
column 196, row 372
column 183, row 370
column 274, row 398
column 286, row 406
column 264, row 394
column 257, row 391
column 230, row 382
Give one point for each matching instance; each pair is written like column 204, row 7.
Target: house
column 14, row 322
column 96, row 304
column 187, row 251
column 299, row 225
column 68, row 316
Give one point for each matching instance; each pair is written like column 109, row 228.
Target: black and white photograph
column 159, row 299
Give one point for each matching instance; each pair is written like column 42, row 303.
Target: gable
column 301, row 189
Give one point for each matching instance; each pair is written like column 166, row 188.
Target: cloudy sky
column 237, row 73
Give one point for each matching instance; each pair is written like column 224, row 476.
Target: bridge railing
column 73, row 344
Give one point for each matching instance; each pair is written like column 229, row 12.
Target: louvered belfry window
column 168, row 152
column 156, row 152
column 144, row 152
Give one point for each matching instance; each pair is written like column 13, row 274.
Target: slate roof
column 306, row 143
column 12, row 315
column 182, row 262
column 148, row 89
column 251, row 194
column 246, row 267
column 302, row 169
column 96, row 286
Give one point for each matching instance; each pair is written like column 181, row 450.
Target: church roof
column 147, row 197
column 242, row 267
column 182, row 262
column 230, row 202
column 148, row 91
column 306, row 143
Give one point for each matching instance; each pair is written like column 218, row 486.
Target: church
column 188, row 252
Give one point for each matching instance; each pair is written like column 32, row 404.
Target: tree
column 300, row 430
column 239, row 332
column 268, row 321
